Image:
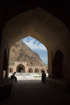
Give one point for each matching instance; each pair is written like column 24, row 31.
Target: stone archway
column 20, row 68
column 44, row 27
column 36, row 70
column 42, row 69
column 10, row 70
column 30, row 70
column 58, row 64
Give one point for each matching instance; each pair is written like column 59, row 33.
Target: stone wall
column 24, row 64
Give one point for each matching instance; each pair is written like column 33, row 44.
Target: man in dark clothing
column 43, row 76
column 13, row 77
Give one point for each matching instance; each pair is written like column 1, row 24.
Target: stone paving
column 27, row 76
column 36, row 93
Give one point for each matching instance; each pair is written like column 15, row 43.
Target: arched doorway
column 49, row 36
column 11, row 70
column 42, row 69
column 30, row 70
column 20, row 68
column 58, row 64
column 36, row 70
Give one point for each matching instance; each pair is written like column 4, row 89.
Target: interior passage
column 36, row 93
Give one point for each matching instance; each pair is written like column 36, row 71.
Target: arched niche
column 30, row 70
column 20, row 68
column 44, row 27
column 58, row 64
column 42, row 69
column 10, row 70
column 36, row 70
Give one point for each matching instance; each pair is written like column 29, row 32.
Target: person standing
column 43, row 76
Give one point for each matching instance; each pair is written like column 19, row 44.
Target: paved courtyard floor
column 27, row 76
column 34, row 92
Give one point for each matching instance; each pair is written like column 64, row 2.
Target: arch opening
column 27, row 54
column 20, row 68
column 58, row 64
column 30, row 70
column 43, row 26
column 36, row 70
column 11, row 70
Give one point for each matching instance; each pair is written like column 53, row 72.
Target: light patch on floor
column 27, row 76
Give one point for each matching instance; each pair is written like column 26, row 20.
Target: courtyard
column 28, row 76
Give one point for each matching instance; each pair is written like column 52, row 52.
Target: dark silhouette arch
column 58, row 64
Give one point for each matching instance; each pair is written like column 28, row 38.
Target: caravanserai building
column 23, row 67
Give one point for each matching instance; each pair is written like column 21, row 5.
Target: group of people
column 13, row 77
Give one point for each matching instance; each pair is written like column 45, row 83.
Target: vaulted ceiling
column 11, row 8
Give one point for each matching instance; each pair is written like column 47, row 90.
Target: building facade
column 24, row 68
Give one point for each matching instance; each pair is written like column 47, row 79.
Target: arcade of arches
column 42, row 25
column 24, row 68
